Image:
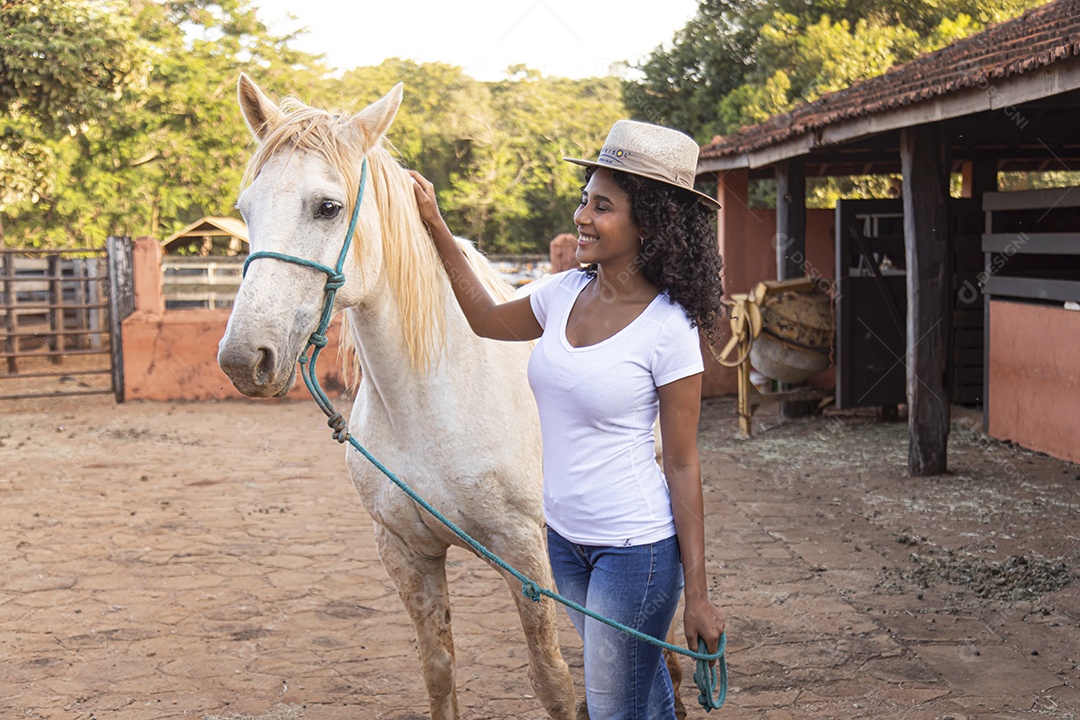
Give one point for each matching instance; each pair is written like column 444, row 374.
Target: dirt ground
column 212, row 561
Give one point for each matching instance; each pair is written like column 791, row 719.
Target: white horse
column 448, row 412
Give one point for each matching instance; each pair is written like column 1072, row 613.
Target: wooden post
column 790, row 219
column 746, row 410
column 978, row 177
column 95, row 296
column 790, row 243
column 10, row 298
column 56, row 309
column 121, row 304
column 79, row 287
column 926, row 246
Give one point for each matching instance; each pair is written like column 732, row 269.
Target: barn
column 963, row 297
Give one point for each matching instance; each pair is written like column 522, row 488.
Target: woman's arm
column 513, row 320
column 680, row 407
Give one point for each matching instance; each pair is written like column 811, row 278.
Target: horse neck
column 389, row 380
column 409, row 271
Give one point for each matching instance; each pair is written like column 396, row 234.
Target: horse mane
column 411, row 265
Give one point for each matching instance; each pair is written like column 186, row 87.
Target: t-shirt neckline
column 570, row 308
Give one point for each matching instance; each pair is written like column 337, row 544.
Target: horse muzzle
column 256, row 371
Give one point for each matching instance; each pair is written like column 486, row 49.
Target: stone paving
column 212, row 561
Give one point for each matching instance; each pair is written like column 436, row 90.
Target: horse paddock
column 212, row 561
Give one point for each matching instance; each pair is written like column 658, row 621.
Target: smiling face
column 607, row 233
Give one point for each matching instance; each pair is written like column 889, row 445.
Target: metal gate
column 61, row 318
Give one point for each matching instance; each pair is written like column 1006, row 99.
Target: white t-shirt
column 602, row 484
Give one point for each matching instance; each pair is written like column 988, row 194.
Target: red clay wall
column 146, row 276
column 172, row 355
column 1034, row 395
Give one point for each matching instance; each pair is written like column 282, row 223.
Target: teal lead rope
column 705, row 675
column 711, row 692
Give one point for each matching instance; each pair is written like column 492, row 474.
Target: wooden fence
column 201, row 282
column 212, row 282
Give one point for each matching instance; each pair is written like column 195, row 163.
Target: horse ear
column 260, row 113
column 374, row 120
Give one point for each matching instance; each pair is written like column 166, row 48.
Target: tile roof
column 1036, row 39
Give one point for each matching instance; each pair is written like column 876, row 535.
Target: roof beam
column 1006, row 95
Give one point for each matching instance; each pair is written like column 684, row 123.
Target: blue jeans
column 625, row 678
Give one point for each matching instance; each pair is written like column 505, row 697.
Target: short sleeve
column 678, row 350
column 542, row 293
column 538, row 299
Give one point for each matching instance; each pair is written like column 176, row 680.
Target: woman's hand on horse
column 702, row 620
column 425, row 198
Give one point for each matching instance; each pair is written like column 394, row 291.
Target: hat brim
column 708, row 200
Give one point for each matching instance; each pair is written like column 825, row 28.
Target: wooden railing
column 201, row 282
column 212, row 282
column 1031, row 245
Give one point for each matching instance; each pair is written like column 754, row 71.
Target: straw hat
column 651, row 151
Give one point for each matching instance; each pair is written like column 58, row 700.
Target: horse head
column 302, row 184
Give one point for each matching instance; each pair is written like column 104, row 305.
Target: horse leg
column 421, row 584
column 548, row 672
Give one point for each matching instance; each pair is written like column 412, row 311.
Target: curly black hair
column 679, row 251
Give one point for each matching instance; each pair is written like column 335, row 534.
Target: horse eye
column 328, row 210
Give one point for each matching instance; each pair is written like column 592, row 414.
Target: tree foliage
column 708, row 59
column 739, row 62
column 167, row 148
column 147, row 140
column 514, row 190
column 120, row 117
column 493, row 149
column 63, row 62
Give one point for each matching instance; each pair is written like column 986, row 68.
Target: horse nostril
column 265, row 365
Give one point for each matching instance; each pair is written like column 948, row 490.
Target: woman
column 619, row 344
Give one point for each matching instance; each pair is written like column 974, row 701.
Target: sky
column 568, row 38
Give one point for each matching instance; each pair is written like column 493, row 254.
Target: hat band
column 639, row 164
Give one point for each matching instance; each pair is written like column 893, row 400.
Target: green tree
column 777, row 54
column 172, row 148
column 805, row 63
column 63, row 64
column 514, row 191
column 683, row 83
column 741, row 62
column 436, row 113
column 493, row 149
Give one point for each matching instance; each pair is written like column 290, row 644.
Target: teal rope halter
column 711, row 693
